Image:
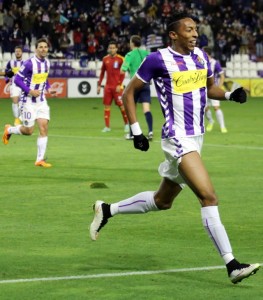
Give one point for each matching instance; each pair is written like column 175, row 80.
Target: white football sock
column 216, row 231
column 220, row 118
column 209, row 116
column 14, row 129
column 138, row 204
column 41, row 147
column 15, row 110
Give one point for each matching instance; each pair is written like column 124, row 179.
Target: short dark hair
column 19, row 47
column 113, row 42
column 172, row 24
column 136, row 40
column 41, row 40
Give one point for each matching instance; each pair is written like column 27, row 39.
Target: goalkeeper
column 183, row 79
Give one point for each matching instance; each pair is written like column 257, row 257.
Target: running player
column 219, row 81
column 15, row 91
column 32, row 79
column 183, row 79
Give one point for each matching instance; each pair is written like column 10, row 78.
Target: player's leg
column 219, row 115
column 42, row 119
column 119, row 103
column 140, row 203
column 28, row 119
column 196, row 176
column 107, row 100
column 15, row 92
column 209, row 117
column 144, row 202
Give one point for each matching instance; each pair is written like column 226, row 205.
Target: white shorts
column 15, row 90
column 30, row 112
column 174, row 149
column 211, row 102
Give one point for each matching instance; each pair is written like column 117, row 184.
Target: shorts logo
column 26, row 122
column 84, row 87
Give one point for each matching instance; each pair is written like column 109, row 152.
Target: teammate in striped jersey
column 15, row 91
column 219, row 80
column 32, row 78
column 183, row 79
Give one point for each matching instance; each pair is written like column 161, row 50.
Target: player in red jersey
column 111, row 64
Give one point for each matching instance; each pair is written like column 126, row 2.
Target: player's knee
column 27, row 130
column 209, row 199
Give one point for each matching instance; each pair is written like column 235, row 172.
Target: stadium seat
column 244, row 57
column 229, row 73
column 99, row 64
column 259, row 66
column 92, row 65
column 237, row 73
column 7, row 56
column 237, row 57
column 75, row 65
column 253, row 74
column 229, row 64
column 245, row 73
column 26, row 55
column 237, row 65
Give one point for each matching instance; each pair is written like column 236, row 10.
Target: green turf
column 45, row 213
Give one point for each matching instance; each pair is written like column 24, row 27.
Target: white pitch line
column 104, row 275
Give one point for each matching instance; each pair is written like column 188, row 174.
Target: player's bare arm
column 128, row 98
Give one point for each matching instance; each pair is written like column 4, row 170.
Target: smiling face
column 42, row 50
column 184, row 36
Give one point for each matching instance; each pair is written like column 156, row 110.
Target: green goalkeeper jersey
column 133, row 60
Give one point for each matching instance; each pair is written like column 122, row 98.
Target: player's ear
column 173, row 35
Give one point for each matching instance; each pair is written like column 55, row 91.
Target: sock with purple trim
column 216, row 231
column 138, row 204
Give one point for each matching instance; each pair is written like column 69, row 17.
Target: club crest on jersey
column 116, row 64
column 200, row 60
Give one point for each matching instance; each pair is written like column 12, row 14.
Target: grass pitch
column 45, row 213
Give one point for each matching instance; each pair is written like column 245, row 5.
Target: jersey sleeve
column 24, row 71
column 102, row 72
column 150, row 67
column 126, row 63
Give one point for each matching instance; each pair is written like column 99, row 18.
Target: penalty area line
column 104, row 275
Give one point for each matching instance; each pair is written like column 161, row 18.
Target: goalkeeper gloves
column 141, row 142
column 9, row 73
column 238, row 95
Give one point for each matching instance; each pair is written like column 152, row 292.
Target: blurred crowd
column 83, row 28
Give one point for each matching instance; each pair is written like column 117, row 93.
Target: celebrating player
column 183, row 78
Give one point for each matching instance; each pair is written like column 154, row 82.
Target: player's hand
column 238, row 95
column 9, row 73
column 140, row 142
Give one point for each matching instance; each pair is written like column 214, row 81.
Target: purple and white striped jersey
column 180, row 82
column 216, row 68
column 33, row 75
column 14, row 65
